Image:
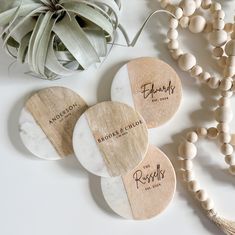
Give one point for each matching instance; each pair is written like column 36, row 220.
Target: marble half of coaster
column 144, row 192
column 47, row 121
column 151, row 86
column 110, row 139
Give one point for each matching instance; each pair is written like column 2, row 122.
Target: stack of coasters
column 110, row 139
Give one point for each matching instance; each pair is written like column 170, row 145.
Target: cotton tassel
column 227, row 226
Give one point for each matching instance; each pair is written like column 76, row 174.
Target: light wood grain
column 56, row 111
column 149, row 198
column 125, row 147
column 159, row 106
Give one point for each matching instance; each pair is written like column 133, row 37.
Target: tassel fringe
column 227, row 226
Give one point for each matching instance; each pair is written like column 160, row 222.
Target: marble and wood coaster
column 144, row 192
column 47, row 121
column 151, row 86
column 110, row 139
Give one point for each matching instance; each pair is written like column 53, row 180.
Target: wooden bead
column 224, row 138
column 212, row 133
column 206, row 4
column 233, row 35
column 208, row 204
column 223, row 114
column 227, row 149
column 218, row 38
column 222, row 61
column 187, row 61
column 172, row 34
column 204, row 77
column 213, row 82
column 187, row 165
column 215, row 6
column 164, row 3
column 229, row 71
column 188, row 176
column 228, row 27
column 170, row 8
column 230, row 160
column 176, row 54
column 208, row 28
column 178, row 13
column 198, row 3
column 201, row 195
column 173, row 23
column 188, row 7
column 201, row 131
column 230, row 48
column 196, row 71
column 187, row 150
column 224, row 101
column 192, row 137
column 223, row 127
column 218, row 24
column 197, row 24
column 219, row 14
column 225, row 84
column 218, row 52
column 193, row 186
column 226, row 93
column 230, row 61
column 184, row 22
column 173, row 45
column 232, row 170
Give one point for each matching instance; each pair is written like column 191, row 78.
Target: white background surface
column 40, row 197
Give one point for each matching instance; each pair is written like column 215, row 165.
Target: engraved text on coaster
column 47, row 121
column 151, row 86
column 110, row 139
column 144, row 192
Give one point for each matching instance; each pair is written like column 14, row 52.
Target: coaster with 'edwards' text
column 144, row 192
column 110, row 139
column 47, row 120
column 151, row 86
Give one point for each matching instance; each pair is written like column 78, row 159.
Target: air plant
column 58, row 37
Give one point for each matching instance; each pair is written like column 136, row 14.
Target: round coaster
column 110, row 139
column 151, row 86
column 47, row 120
column 145, row 191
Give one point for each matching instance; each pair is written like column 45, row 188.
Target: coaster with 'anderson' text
column 47, row 120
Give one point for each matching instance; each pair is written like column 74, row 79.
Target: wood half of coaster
column 151, row 86
column 144, row 192
column 110, row 139
column 47, row 121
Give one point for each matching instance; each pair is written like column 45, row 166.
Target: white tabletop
column 43, row 197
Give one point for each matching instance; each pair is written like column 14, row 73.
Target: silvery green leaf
column 53, row 64
column 75, row 40
column 90, row 14
column 6, row 16
column 97, row 39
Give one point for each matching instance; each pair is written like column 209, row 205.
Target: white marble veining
column 115, row 195
column 86, row 149
column 34, row 138
column 121, row 87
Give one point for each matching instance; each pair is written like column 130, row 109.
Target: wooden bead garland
column 186, row 167
column 222, row 39
column 223, row 51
